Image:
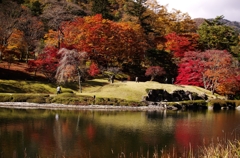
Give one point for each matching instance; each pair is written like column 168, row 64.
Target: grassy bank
column 128, row 90
column 100, row 92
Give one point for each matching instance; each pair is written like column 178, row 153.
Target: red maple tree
column 154, row 71
column 46, row 63
column 190, row 70
column 177, row 44
column 93, row 69
column 105, row 41
column 212, row 69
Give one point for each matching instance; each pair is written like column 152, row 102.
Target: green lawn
column 129, row 90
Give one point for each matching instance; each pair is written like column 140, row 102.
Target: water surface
column 109, row 134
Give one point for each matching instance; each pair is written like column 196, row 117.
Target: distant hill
column 234, row 24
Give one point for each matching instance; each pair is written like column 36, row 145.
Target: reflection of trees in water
column 152, row 115
column 57, row 133
column 106, row 134
column 164, row 114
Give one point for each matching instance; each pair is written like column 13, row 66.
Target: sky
column 230, row 9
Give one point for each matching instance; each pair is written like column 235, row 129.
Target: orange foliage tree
column 179, row 44
column 213, row 69
column 107, row 43
column 220, row 74
column 15, row 47
column 231, row 84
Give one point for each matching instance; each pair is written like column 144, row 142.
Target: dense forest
column 73, row 40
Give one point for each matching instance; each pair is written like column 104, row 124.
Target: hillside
column 20, row 81
column 17, row 71
column 131, row 90
column 233, row 24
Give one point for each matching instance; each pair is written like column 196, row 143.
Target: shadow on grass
column 71, row 85
column 11, row 89
column 8, row 74
column 94, row 83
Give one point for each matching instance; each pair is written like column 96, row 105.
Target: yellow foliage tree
column 16, row 46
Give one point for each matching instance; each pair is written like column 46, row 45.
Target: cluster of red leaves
column 211, row 69
column 46, row 62
column 105, row 41
column 154, row 71
column 179, row 44
column 93, row 69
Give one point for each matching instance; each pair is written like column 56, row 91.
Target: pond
column 109, row 134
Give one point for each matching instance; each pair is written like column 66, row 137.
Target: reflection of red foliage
column 91, row 132
column 186, row 135
column 35, row 136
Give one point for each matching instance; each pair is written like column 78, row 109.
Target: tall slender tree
column 71, row 65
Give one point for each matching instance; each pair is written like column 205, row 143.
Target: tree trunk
column 79, row 81
column 152, row 78
column 35, row 72
column 27, row 56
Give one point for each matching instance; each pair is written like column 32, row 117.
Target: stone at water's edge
column 157, row 95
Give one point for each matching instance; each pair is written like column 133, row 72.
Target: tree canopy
column 137, row 37
column 213, row 34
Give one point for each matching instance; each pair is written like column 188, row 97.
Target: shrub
column 59, row 100
column 5, row 98
column 133, row 103
column 21, row 98
column 37, row 100
column 124, row 103
column 194, row 95
column 67, row 91
column 66, row 95
column 143, row 103
column 218, row 103
column 100, row 101
column 49, row 99
column 68, row 98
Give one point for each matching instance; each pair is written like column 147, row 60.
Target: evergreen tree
column 139, row 9
column 216, row 35
column 102, row 7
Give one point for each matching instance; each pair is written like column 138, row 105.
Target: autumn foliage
column 154, row 71
column 93, row 70
column 46, row 63
column 190, row 69
column 126, row 35
column 176, row 44
column 105, row 41
column 212, row 69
